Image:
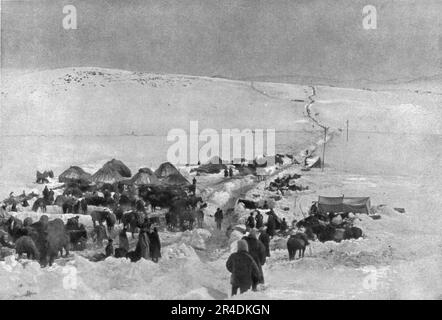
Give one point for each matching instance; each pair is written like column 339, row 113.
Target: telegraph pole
column 323, row 148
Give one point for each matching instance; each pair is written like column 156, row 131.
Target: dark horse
column 40, row 203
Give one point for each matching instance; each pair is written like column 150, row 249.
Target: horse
column 297, row 242
column 132, row 219
column 40, row 203
column 15, row 228
column 77, row 233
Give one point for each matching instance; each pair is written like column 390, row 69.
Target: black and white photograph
column 221, row 150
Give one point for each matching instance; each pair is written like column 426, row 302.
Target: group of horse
column 183, row 208
column 326, row 228
column 42, row 240
column 109, row 207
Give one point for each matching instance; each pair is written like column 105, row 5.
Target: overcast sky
column 240, row 39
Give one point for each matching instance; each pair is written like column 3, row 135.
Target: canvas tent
column 344, row 204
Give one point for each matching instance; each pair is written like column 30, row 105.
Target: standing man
column 250, row 223
column 155, row 245
column 219, row 218
column 243, row 268
column 258, row 252
column 230, row 172
column 46, row 193
column 271, row 224
column 109, row 248
column 200, row 217
column 143, row 244
column 284, row 225
column 259, row 220
column 193, row 186
column 265, row 239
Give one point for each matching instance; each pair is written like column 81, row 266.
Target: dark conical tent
column 166, row 169
column 145, row 177
column 176, row 180
column 106, row 175
column 74, row 174
column 120, row 167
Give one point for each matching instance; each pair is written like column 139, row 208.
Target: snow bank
column 180, row 273
column 196, row 238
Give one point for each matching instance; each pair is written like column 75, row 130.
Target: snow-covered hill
column 96, row 101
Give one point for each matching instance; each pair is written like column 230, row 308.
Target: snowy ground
column 393, row 155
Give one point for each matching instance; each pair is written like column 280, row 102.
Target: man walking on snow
column 258, row 252
column 219, row 218
column 243, row 268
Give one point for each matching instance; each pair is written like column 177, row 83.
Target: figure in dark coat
column 226, row 173
column 123, row 242
column 142, row 249
column 284, row 225
column 109, row 248
column 230, row 172
column 271, row 224
column 243, row 268
column 250, row 221
column 266, row 205
column 46, row 193
column 83, row 206
column 154, row 245
column 259, row 220
column 219, row 218
column 265, row 239
column 200, row 217
column 258, row 252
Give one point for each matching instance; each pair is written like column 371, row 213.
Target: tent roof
column 143, row 177
column 119, row 166
column 166, row 169
column 106, row 175
column 74, row 173
column 175, row 179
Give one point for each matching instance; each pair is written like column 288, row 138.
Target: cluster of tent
column 115, row 171
column 244, row 166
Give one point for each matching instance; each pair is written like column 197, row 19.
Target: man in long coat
column 142, row 248
column 265, row 239
column 155, row 245
column 243, row 268
column 258, row 252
